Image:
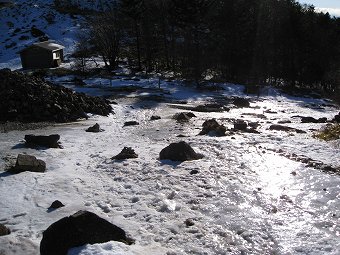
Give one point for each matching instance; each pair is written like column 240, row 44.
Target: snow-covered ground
column 245, row 199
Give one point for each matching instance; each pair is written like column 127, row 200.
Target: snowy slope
column 245, row 199
column 16, row 23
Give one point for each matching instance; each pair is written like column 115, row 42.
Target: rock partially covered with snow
column 50, row 141
column 79, row 229
column 241, row 102
column 212, row 127
column 28, row 163
column 183, row 116
column 94, row 129
column 29, row 98
column 179, row 152
column 126, row 153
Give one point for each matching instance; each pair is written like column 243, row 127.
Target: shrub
column 329, row 133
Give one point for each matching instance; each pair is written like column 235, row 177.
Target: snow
column 245, row 198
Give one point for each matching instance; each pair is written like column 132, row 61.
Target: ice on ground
column 245, row 198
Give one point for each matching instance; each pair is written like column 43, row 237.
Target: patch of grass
column 329, row 133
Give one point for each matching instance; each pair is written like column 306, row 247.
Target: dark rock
column 131, row 123
column 270, row 111
column 79, row 229
column 308, row 120
column 240, row 125
column 50, row 141
column 126, row 153
column 241, row 102
column 94, row 129
column 28, row 163
column 56, row 204
column 179, row 152
column 155, row 117
column 35, row 32
column 213, row 127
column 211, row 108
column 194, row 172
column 27, row 98
column 286, row 129
column 184, row 116
column 4, row 230
column 322, row 120
column 284, row 122
column 336, row 118
column 189, row 222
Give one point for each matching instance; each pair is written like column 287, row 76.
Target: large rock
column 4, row 230
column 94, row 129
column 241, row 102
column 50, row 141
column 79, row 229
column 313, row 120
column 31, row 99
column 336, row 118
column 126, row 153
column 240, row 125
column 211, row 108
column 213, row 127
column 285, row 128
column 183, row 116
column 28, row 163
column 179, row 152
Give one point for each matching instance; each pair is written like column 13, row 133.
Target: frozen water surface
column 245, row 198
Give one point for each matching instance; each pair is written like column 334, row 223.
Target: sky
column 331, row 6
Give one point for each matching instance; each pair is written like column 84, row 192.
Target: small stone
column 155, row 117
column 126, row 153
column 94, row 129
column 131, row 123
column 189, row 222
column 194, row 172
column 28, row 163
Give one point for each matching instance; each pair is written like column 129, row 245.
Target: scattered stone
column 126, row 153
column 210, row 108
column 179, row 152
column 79, row 229
column 270, row 111
column 313, row 120
column 131, row 123
column 241, row 102
column 336, row 118
column 183, row 116
column 212, row 127
column 50, row 141
column 189, row 222
column 155, row 117
column 240, row 125
column 56, row 204
column 192, row 172
column 286, row 129
column 94, row 129
column 284, row 122
column 4, row 230
column 28, row 163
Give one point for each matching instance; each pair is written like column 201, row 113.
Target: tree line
column 277, row 42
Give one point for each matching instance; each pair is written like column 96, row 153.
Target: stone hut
column 42, row 55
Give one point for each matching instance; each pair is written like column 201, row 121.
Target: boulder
column 183, row 116
column 179, row 152
column 213, row 127
column 4, row 230
column 79, row 229
column 240, row 125
column 94, row 129
column 131, row 123
column 211, row 108
column 126, row 153
column 336, row 118
column 56, row 204
column 241, row 102
column 50, row 141
column 28, row 163
column 309, row 120
column 155, row 117
column 286, row 129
